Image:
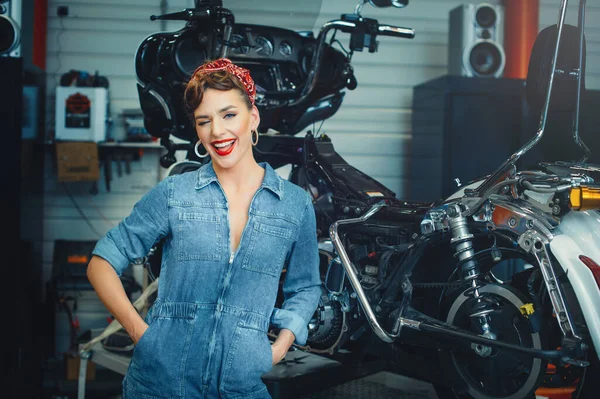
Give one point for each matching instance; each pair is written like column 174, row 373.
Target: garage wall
column 372, row 130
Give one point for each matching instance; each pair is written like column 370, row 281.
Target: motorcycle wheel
column 588, row 385
column 500, row 374
column 582, row 383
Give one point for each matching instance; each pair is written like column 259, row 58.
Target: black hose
column 442, row 331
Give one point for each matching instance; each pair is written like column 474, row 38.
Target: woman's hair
column 219, row 80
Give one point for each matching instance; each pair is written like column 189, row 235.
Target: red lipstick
column 223, row 151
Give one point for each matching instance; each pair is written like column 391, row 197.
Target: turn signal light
column 593, row 266
column 584, row 198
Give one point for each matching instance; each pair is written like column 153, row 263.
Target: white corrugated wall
column 372, row 130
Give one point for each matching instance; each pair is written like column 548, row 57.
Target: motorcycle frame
column 565, row 251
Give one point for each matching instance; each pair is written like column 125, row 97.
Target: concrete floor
column 381, row 385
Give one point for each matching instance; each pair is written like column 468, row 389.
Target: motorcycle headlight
column 584, row 198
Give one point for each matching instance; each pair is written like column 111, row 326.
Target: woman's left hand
column 282, row 344
column 278, row 352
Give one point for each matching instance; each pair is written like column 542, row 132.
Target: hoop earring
column 197, row 152
column 254, row 132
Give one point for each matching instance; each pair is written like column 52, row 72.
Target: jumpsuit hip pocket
column 249, row 357
column 158, row 364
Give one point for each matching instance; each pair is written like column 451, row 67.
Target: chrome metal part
column 536, row 244
column 353, row 274
column 519, row 216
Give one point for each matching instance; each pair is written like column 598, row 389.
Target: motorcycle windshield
column 289, row 14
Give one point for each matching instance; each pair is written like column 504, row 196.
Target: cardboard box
column 77, row 161
column 72, row 368
column 81, row 113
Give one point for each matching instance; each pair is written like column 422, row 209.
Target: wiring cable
column 85, row 218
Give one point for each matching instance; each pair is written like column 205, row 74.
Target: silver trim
column 396, row 30
column 528, row 242
column 352, row 275
column 162, row 102
column 576, row 137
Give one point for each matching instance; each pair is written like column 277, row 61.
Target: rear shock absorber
column 462, row 241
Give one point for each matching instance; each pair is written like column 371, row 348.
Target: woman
column 229, row 229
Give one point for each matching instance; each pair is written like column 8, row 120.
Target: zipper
column 233, row 254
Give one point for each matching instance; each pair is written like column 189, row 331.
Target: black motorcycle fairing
column 278, row 59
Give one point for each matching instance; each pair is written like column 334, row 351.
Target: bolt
column 584, row 346
column 529, row 224
column 346, row 209
column 562, row 316
column 416, row 235
column 353, row 295
column 355, row 316
column 357, row 211
column 555, row 209
column 512, row 222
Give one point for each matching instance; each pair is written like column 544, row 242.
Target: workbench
column 297, row 374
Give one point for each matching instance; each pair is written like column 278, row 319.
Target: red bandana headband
column 225, row 64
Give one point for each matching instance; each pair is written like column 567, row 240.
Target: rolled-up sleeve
column 302, row 285
column 135, row 235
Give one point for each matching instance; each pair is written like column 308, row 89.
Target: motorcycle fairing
column 164, row 62
column 579, row 234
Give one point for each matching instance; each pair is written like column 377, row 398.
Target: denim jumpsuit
column 207, row 334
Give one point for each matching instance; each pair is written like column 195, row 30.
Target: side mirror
column 389, row 3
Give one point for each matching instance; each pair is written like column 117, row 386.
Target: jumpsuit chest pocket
column 267, row 249
column 198, row 236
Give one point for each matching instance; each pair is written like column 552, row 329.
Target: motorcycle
column 415, row 283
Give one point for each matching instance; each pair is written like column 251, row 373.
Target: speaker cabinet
column 475, row 41
column 10, row 28
column 464, row 128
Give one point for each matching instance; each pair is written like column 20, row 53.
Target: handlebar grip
column 396, row 31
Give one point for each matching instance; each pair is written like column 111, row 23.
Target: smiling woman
column 228, row 230
column 220, row 101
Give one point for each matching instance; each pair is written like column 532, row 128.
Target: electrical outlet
column 62, row 11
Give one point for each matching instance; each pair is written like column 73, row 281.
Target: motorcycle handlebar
column 347, row 27
column 197, row 14
column 189, row 14
column 396, row 31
